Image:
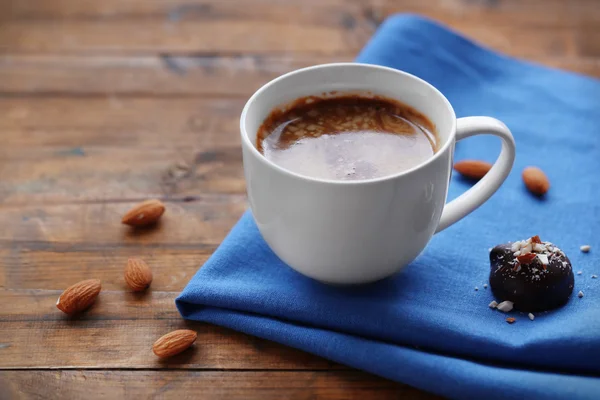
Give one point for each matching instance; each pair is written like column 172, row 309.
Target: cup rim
column 248, row 143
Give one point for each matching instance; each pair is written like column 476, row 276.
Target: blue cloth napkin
column 428, row 326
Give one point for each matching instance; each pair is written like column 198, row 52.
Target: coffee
column 350, row 137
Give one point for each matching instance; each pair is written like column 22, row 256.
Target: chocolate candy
column 534, row 275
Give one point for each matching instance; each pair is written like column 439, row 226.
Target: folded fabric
column 428, row 326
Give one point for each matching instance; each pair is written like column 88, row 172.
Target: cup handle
column 482, row 190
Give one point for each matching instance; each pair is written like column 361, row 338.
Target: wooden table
column 106, row 103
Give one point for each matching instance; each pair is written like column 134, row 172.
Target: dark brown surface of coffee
column 348, row 137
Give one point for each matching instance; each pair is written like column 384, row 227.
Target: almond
column 174, row 342
column 536, row 181
column 144, row 213
column 138, row 275
column 473, row 169
column 526, row 258
column 79, row 296
column 536, row 239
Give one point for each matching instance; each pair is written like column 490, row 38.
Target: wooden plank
column 235, row 26
column 119, row 122
column 55, row 264
column 118, row 332
column 119, row 37
column 196, row 225
column 530, row 13
column 175, row 11
column 118, row 148
column 246, row 385
column 48, row 247
column 172, row 75
column 588, row 42
column 333, row 29
column 204, row 75
column 100, row 174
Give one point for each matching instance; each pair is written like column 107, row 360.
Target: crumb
column 505, row 306
column 493, row 304
column 580, row 294
column 543, row 259
column 579, row 272
column 485, row 285
column 476, row 288
column 585, row 248
column 531, row 316
column 594, row 276
column 510, row 320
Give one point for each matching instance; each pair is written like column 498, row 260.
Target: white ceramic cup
column 349, row 232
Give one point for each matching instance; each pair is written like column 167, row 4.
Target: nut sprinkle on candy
column 533, row 274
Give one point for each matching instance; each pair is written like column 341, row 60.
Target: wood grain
column 106, row 103
column 553, row 13
column 49, row 267
column 188, row 225
column 118, row 332
column 246, row 385
column 167, row 75
column 133, row 123
column 174, row 28
column 335, row 27
column 113, row 173
column 118, row 37
column 160, row 75
column 118, row 149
